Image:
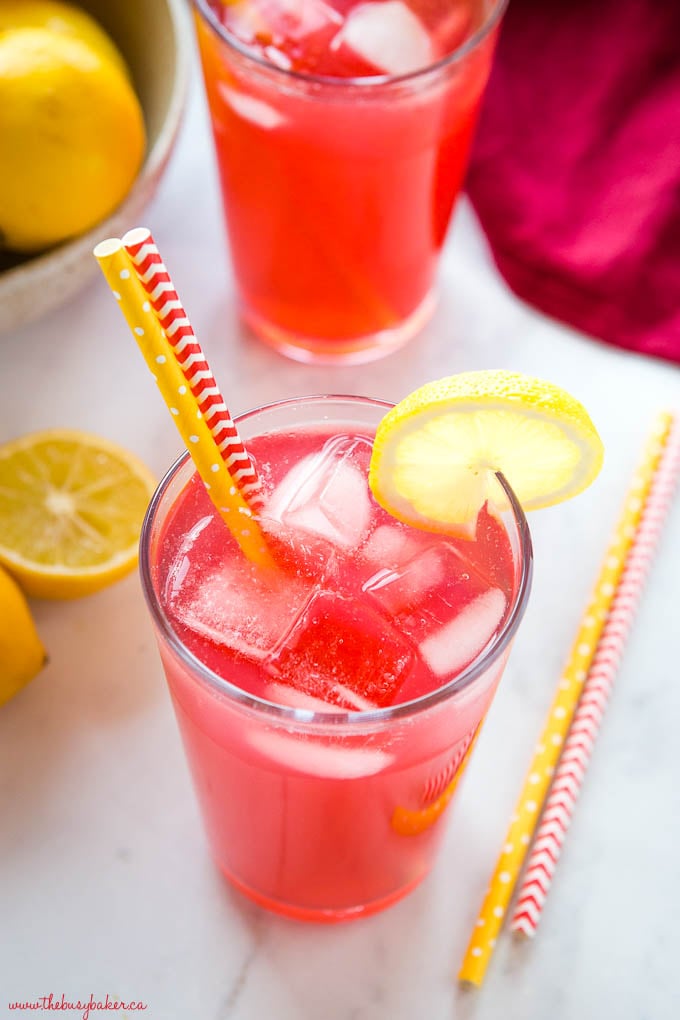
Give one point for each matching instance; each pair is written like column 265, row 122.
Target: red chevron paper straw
column 170, row 312
column 570, row 773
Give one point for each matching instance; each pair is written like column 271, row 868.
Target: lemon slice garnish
column 437, row 452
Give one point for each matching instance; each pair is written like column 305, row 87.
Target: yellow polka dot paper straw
column 547, row 753
column 118, row 270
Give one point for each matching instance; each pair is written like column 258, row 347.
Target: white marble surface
column 105, row 883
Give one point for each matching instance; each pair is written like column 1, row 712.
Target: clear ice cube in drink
column 451, row 630
column 387, row 35
column 449, row 647
column 241, row 608
column 388, row 545
column 319, row 759
column 325, row 495
column 343, row 652
column 279, row 21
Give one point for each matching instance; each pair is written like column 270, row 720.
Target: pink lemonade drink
column 342, row 131
column 327, row 707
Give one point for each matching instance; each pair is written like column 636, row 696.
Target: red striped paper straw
column 570, row 773
column 170, row 312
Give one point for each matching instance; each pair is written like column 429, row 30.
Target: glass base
column 341, row 352
column 331, row 915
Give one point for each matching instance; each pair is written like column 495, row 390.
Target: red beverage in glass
column 342, row 132
column 327, row 708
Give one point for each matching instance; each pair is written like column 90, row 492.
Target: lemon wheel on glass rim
column 437, row 452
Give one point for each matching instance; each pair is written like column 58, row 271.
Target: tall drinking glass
column 338, row 187
column 328, row 709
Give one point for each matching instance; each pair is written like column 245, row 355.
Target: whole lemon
column 22, row 655
column 72, row 137
column 60, row 17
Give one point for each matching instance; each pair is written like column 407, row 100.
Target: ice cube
column 247, row 21
column 284, row 694
column 387, row 35
column 342, row 698
column 345, row 503
column 312, row 757
column 241, row 608
column 267, row 21
column 292, row 34
column 249, row 108
column 407, row 586
column 326, row 494
column 297, row 19
column 453, row 645
column 180, row 567
column 291, row 489
column 389, row 545
column 344, row 653
column 431, row 576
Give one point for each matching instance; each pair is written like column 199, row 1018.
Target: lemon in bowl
column 140, row 45
column 64, row 18
column 73, row 136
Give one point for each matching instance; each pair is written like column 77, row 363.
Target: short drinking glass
column 328, row 708
column 339, row 170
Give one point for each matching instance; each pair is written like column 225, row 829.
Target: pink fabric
column 575, row 174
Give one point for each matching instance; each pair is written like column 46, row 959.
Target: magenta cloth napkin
column 575, row 173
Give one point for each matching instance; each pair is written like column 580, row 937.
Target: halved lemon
column 437, row 452
column 71, row 509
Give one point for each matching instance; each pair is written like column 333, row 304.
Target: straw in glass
column 238, row 515
column 570, row 773
column 154, row 277
column 542, row 768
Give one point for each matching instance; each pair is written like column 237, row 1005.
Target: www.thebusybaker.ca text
column 82, row 1006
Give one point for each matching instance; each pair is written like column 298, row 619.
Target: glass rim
column 365, row 82
column 357, row 719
